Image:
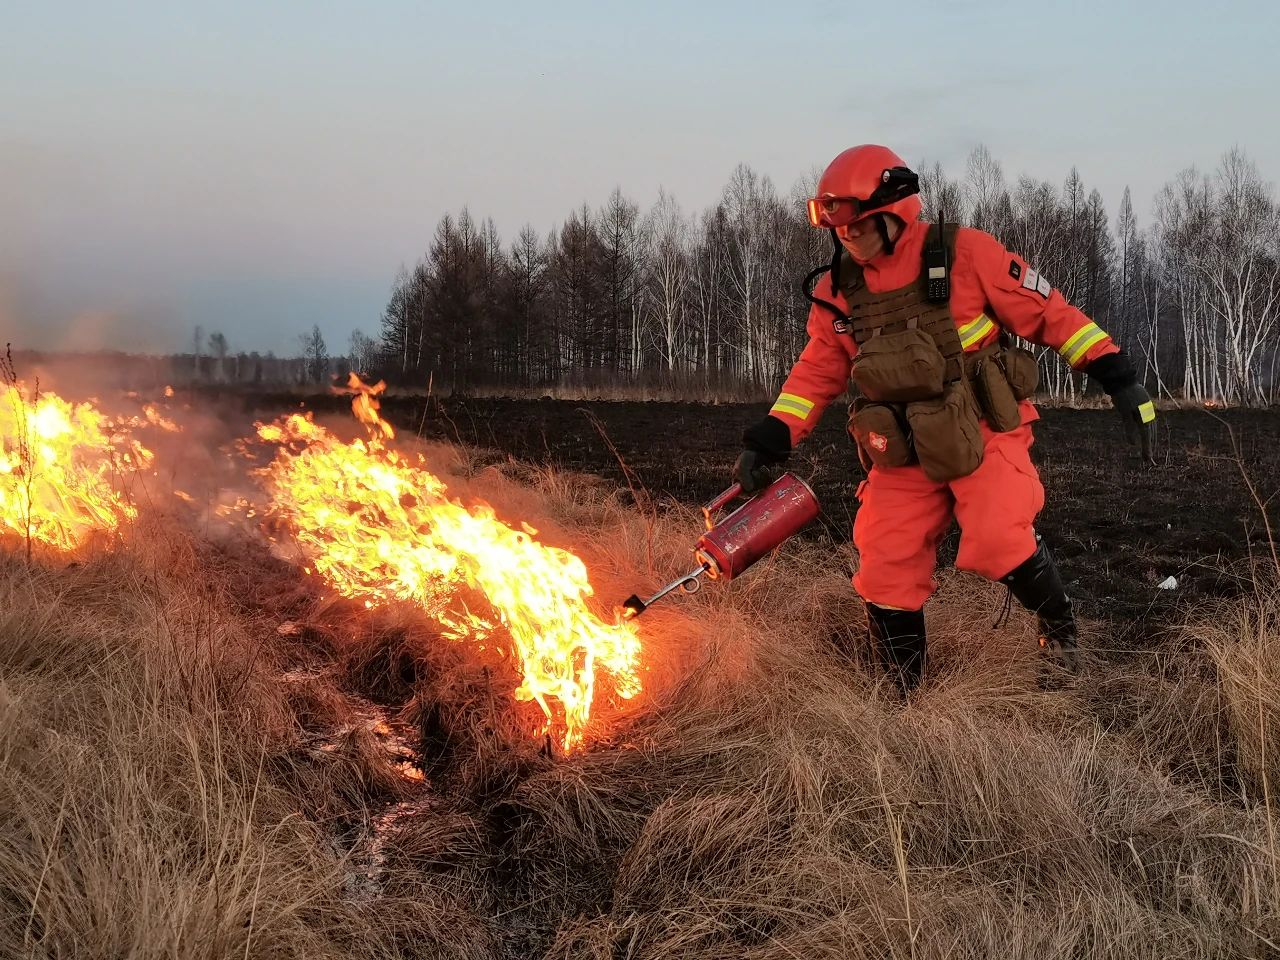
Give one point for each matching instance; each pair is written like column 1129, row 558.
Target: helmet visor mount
column 896, row 183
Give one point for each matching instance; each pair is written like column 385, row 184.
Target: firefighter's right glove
column 767, row 443
column 751, row 472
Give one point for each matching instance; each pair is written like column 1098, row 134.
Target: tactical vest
column 882, row 314
column 921, row 397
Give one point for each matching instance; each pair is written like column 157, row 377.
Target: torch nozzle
column 633, row 606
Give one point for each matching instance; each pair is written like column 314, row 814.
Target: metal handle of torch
column 719, row 503
column 633, row 606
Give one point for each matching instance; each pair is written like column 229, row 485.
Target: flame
column 58, row 466
column 377, row 526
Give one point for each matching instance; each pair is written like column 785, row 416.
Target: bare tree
column 622, row 251
column 747, row 201
column 941, row 196
column 362, row 352
column 218, row 351
column 197, row 345
column 669, row 279
column 315, row 356
column 984, row 190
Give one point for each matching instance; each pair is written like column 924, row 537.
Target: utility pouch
column 1021, row 370
column 899, row 367
column 946, row 434
column 881, row 433
column 993, row 391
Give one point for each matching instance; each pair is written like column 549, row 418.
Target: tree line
column 708, row 302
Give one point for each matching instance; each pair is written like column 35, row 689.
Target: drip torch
column 731, row 545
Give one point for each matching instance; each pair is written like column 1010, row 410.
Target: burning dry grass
column 163, row 793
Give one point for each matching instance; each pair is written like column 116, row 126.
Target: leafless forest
column 702, row 302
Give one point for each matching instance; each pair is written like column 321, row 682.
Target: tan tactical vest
column 922, row 398
column 871, row 314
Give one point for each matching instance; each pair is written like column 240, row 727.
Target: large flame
column 378, row 526
column 60, row 464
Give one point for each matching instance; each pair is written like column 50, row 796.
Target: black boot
column 1037, row 586
column 898, row 636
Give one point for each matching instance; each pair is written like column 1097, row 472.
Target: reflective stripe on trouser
column 904, row 515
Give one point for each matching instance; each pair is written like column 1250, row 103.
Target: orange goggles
column 834, row 212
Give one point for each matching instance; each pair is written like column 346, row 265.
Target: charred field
column 1117, row 529
column 205, row 753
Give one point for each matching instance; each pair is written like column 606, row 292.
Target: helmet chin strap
column 837, row 250
column 882, row 228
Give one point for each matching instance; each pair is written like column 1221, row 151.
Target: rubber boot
column 898, row 636
column 1037, row 585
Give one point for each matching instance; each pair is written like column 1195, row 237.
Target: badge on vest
column 878, row 440
column 1037, row 284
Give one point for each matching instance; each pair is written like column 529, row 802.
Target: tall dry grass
column 157, row 797
column 165, row 791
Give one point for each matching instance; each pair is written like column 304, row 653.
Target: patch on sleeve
column 1015, row 269
column 1034, row 282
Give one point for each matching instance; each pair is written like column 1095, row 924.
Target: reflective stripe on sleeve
column 975, row 331
column 796, row 406
column 1080, row 342
column 1147, row 411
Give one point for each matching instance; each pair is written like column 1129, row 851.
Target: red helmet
column 861, row 181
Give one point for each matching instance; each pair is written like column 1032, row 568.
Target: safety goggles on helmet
column 896, row 183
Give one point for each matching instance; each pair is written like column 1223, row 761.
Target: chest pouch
column 882, row 434
column 946, row 434
column 899, row 367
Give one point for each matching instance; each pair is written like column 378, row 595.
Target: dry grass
column 163, row 793
column 147, row 750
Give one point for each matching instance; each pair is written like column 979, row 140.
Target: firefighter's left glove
column 1130, row 399
column 1138, row 414
column 766, row 444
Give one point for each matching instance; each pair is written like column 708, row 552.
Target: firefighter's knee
column 997, row 508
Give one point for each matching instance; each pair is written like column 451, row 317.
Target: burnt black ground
column 1116, row 527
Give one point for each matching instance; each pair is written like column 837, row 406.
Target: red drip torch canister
column 733, row 544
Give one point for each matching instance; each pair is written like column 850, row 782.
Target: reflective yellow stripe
column 790, row 403
column 1147, row 411
column 975, row 331
column 1078, row 343
column 1085, row 345
column 1072, row 340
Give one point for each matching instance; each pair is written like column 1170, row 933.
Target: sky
column 257, row 168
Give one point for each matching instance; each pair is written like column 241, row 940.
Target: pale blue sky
column 258, row 167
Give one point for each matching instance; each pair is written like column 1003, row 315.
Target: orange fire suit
column 904, row 515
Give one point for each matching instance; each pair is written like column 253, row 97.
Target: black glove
column 1138, row 414
column 767, row 443
column 1130, row 399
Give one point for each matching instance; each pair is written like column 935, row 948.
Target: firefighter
column 920, row 315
